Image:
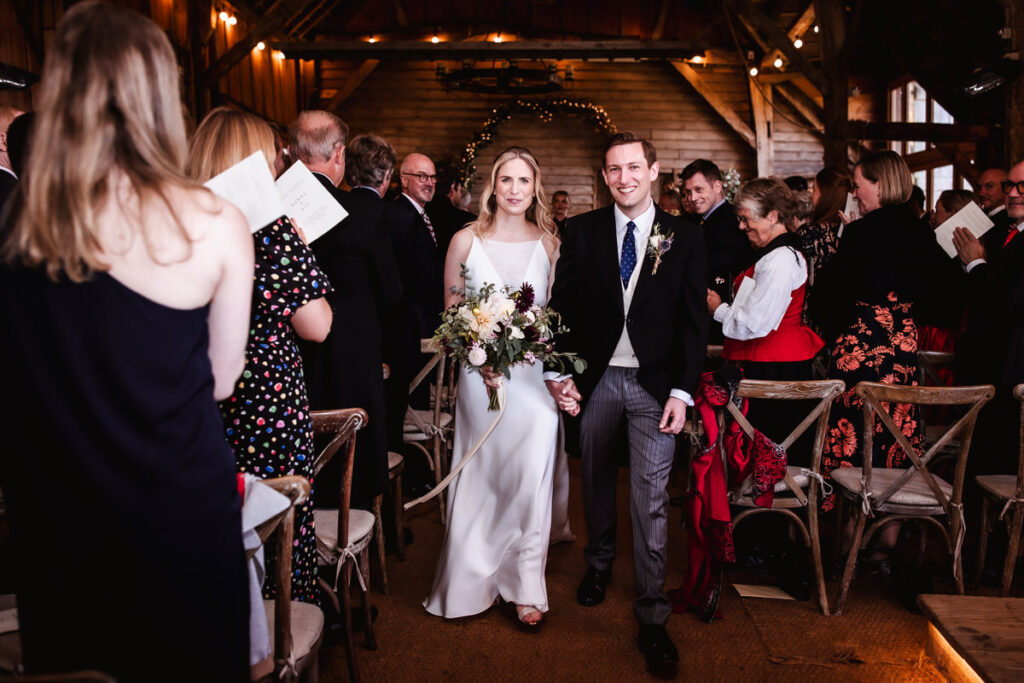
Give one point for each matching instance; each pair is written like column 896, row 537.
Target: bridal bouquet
column 498, row 328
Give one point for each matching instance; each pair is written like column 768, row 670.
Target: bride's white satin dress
column 500, row 505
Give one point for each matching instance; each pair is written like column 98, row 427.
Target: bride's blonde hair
column 109, row 105
column 538, row 212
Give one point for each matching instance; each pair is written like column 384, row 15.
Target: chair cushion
column 394, row 460
column 1000, row 485
column 412, row 432
column 914, row 492
column 307, row 626
column 360, row 525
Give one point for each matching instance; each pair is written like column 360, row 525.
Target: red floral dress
column 880, row 346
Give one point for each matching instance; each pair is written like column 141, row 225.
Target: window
column 909, row 103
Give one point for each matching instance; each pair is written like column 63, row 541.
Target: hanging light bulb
column 232, row 20
column 798, row 43
column 435, row 40
column 497, row 37
column 261, row 45
column 753, row 71
column 778, row 62
column 372, row 39
column 816, row 28
column 697, row 59
column 223, row 16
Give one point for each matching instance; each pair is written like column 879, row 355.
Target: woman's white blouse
column 776, row 275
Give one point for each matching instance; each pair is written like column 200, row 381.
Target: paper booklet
column 249, row 185
column 851, row 210
column 970, row 217
column 309, row 202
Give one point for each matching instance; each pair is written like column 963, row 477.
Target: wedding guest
column 130, row 285
column 8, row 178
column 560, row 209
column 266, row 419
column 995, row 328
column 765, row 333
column 728, row 250
column 796, row 183
column 940, row 317
column 864, row 300
column 356, row 257
column 993, row 202
column 819, row 237
column 670, row 202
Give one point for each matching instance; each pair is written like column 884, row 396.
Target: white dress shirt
column 776, row 275
column 973, row 264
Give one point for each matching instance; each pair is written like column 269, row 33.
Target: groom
column 637, row 315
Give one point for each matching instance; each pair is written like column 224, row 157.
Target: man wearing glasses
column 991, row 350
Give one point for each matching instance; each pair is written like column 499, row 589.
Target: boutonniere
column 658, row 245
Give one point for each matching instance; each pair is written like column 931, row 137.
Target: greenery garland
column 545, row 109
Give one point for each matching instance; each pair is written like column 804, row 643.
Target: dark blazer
column 345, row 370
column 728, row 249
column 996, row 235
column 991, row 349
column 447, row 219
column 667, row 319
column 885, row 251
column 420, row 266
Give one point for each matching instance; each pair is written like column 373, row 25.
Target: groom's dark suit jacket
column 667, row 318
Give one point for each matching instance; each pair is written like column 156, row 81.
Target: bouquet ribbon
column 446, row 482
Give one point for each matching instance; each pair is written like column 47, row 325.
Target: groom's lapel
column 647, row 281
column 606, row 254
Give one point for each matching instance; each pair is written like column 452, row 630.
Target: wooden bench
column 985, row 634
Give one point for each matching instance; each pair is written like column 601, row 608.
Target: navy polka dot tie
column 627, row 262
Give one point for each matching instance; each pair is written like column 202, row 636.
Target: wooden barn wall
column 406, row 104
column 260, row 82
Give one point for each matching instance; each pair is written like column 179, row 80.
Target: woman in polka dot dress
column 267, row 418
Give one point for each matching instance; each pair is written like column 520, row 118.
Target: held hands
column 674, row 417
column 566, row 395
column 968, row 247
column 714, row 301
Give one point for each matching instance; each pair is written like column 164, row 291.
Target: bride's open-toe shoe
column 529, row 618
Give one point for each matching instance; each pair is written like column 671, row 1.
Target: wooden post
column 1014, row 145
column 199, row 28
column 761, row 105
column 716, row 102
column 835, row 100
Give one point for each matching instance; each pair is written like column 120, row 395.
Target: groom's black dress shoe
column 592, row 587
column 662, row 656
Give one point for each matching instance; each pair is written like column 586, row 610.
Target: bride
column 501, row 503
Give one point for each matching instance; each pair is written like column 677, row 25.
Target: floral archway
column 545, row 109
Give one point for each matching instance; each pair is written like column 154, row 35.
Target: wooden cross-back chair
column 343, row 535
column 429, row 430
column 913, row 492
column 1006, row 491
column 800, row 489
column 297, row 626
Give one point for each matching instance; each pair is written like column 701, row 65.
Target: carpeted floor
column 756, row 640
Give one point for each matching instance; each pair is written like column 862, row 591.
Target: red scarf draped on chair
column 708, row 519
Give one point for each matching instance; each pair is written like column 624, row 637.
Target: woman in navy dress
column 126, row 287
column 267, row 419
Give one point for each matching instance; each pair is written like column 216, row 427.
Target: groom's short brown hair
column 627, row 139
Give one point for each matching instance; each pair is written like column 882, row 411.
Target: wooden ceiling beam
column 799, row 27
column 773, row 36
column 407, row 50
column 717, row 103
column 659, row 25
column 810, row 115
column 273, row 21
column 353, row 82
column 930, row 132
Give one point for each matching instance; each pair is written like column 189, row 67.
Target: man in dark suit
column 994, row 336
column 640, row 322
column 993, row 201
column 355, row 255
